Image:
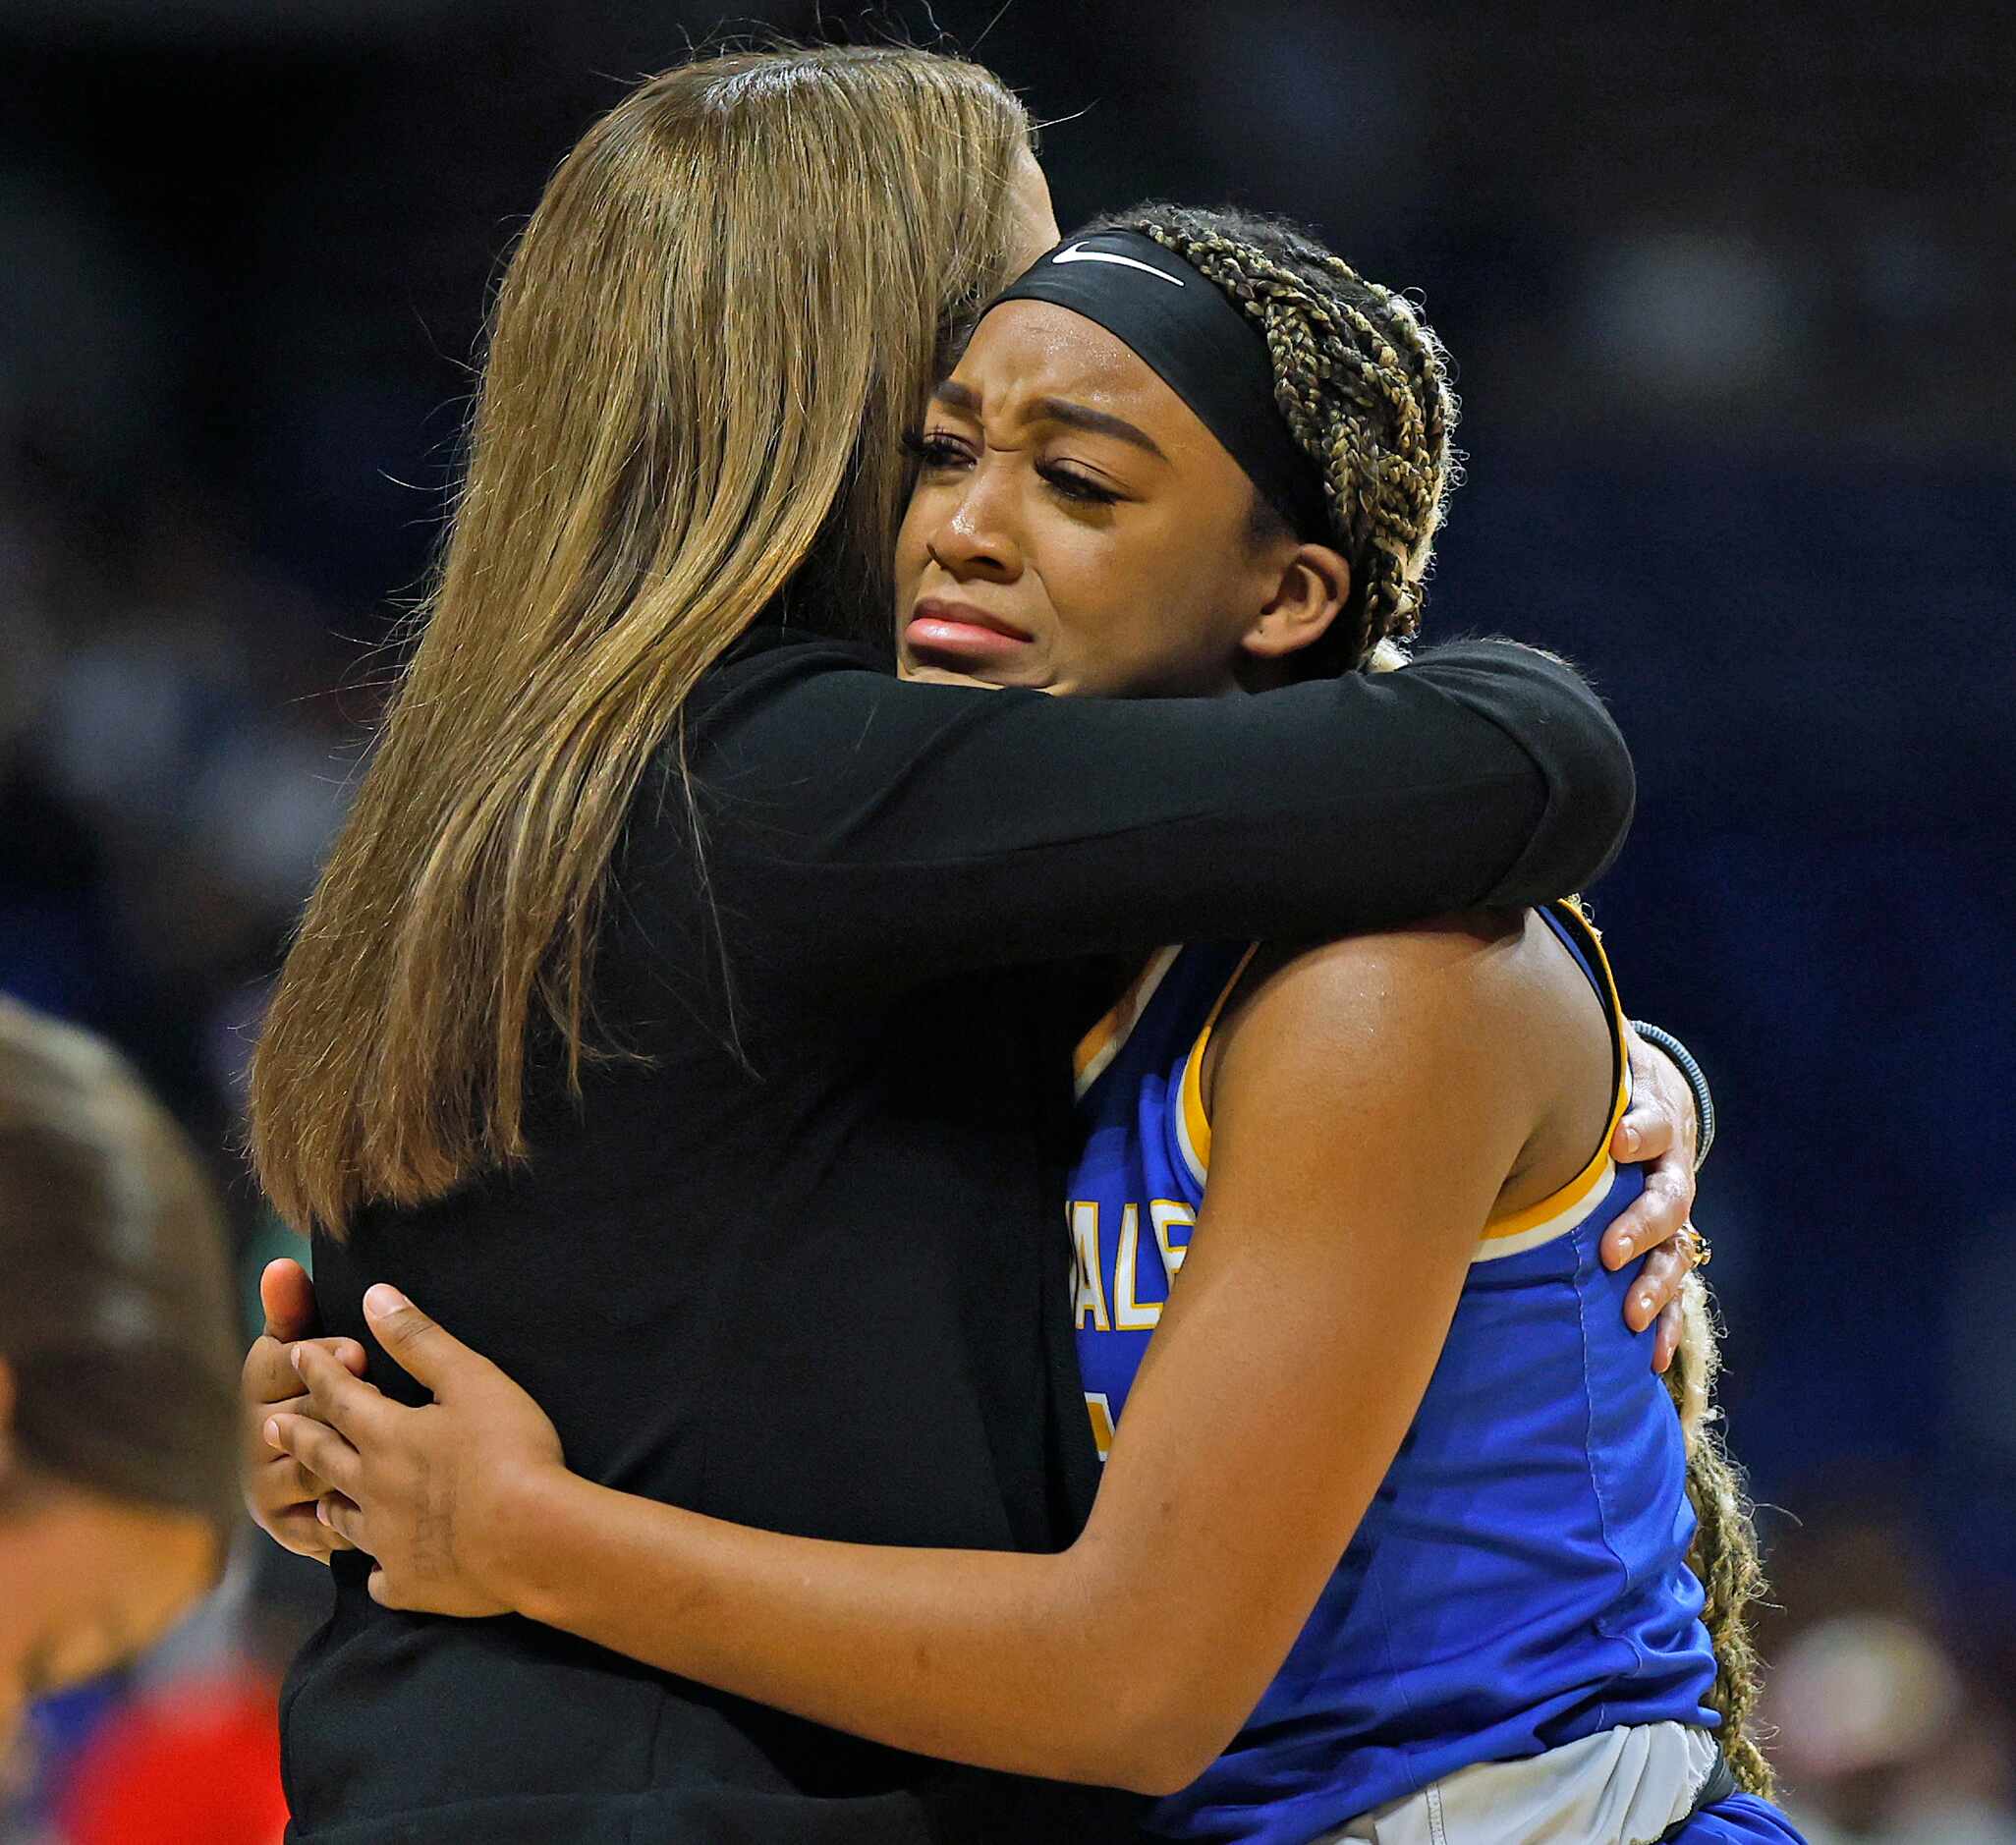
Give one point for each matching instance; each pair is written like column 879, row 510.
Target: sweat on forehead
column 1189, row 334
column 1060, row 410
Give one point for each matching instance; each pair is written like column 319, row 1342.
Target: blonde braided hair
column 1363, row 385
column 1725, row 1554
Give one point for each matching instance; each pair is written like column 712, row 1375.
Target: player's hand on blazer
column 1661, row 1130
column 280, row 1493
column 421, row 1491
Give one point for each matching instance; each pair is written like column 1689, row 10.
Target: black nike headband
column 1203, row 348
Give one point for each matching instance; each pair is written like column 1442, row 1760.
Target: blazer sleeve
column 899, row 832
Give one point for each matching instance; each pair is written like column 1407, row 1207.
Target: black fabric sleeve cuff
column 1697, row 1081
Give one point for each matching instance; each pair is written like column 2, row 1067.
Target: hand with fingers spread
column 280, row 1493
column 1661, row 1130
column 424, row 1491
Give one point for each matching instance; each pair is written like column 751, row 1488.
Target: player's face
column 1075, row 527
column 90, row 1583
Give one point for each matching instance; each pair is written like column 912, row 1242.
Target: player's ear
column 1314, row 585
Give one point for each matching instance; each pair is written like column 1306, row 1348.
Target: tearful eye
column 934, row 448
column 1074, row 486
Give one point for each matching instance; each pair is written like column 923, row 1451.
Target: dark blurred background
column 1730, row 290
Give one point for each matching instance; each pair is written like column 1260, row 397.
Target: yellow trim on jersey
column 1591, row 1186
column 1102, row 1044
column 1193, row 1123
column 1496, row 1245
column 1555, row 1215
column 1560, row 1211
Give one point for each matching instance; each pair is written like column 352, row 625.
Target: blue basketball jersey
column 1519, row 1580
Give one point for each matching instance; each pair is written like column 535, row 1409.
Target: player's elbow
column 1165, row 1729
column 1166, row 1762
column 1163, row 1766
column 1147, row 1704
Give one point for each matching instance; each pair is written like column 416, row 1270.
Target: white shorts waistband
column 1620, row 1787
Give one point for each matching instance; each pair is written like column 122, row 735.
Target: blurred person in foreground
column 1883, row 1740
column 118, row 1376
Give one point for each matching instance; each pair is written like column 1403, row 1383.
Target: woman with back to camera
column 1388, row 1343
column 118, row 1385
column 657, row 1015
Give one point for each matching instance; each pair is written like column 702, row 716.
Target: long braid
column 1725, row 1554
column 1363, row 384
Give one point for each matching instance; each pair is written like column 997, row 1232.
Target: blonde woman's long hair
column 734, row 295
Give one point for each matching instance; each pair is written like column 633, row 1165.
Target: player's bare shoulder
column 1492, row 986
column 1455, row 970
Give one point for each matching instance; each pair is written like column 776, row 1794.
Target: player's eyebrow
column 956, row 396
column 1097, row 422
column 966, row 400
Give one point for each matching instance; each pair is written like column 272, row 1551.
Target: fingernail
column 381, row 1298
column 294, row 1356
column 1632, row 1138
column 1628, row 1244
column 273, row 1432
column 1647, row 1301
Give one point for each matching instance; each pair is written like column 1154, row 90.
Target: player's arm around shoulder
column 1368, row 1104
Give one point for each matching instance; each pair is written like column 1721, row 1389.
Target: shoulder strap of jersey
column 1566, row 1207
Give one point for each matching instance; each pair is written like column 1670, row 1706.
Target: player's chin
column 922, row 673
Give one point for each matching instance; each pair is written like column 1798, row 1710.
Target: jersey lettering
column 1100, row 1407
column 1131, row 1314
column 1091, row 1281
column 1170, row 1215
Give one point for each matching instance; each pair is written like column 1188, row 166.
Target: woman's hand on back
column 1661, row 1133
column 279, row 1492
column 425, row 1491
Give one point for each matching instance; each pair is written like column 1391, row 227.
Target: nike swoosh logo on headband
column 1079, row 253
